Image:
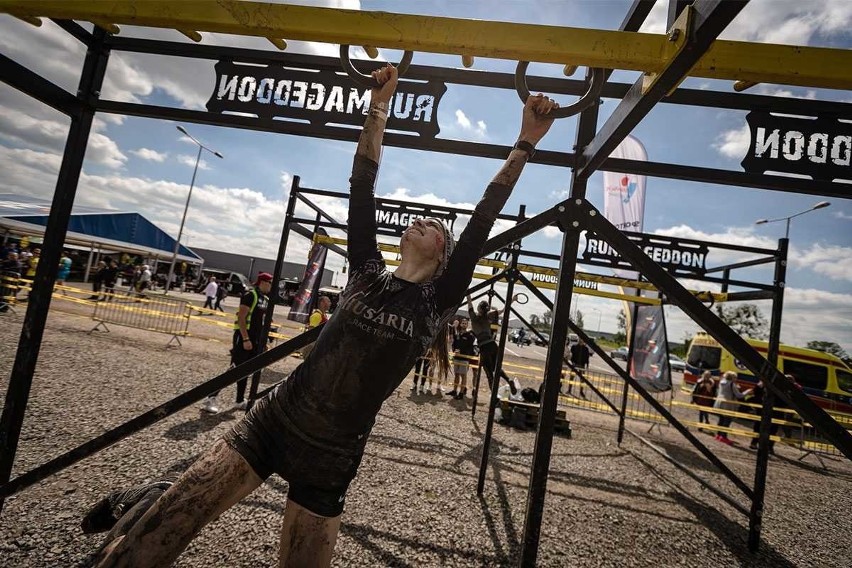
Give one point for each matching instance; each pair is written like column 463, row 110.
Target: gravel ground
column 414, row 502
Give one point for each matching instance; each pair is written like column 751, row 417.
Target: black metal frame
column 573, row 215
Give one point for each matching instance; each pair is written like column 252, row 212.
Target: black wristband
column 525, row 146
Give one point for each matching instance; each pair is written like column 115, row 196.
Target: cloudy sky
column 238, row 204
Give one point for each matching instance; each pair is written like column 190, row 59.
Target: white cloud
column 842, row 215
column 478, row 130
column 148, row 154
column 774, row 21
column 734, row 143
column 832, row 261
column 36, row 132
column 560, row 194
column 190, row 161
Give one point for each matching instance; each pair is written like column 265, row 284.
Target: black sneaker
column 106, row 512
column 452, row 393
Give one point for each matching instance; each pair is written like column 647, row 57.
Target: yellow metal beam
column 650, row 53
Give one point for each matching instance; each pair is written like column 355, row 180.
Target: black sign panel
column 677, row 257
column 817, row 147
column 321, row 97
column 395, row 218
column 553, row 279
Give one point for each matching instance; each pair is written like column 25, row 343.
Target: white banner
column 624, row 194
column 624, row 207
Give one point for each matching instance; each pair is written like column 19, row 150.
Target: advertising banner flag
column 305, row 298
column 624, row 207
column 624, row 194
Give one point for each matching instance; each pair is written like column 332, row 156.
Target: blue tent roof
column 130, row 228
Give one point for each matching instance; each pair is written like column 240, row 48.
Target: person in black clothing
column 109, row 276
column 580, row 355
column 757, row 394
column 464, row 349
column 246, row 342
column 481, row 321
column 221, row 294
column 312, row 428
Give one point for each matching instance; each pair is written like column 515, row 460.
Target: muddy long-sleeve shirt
column 381, row 326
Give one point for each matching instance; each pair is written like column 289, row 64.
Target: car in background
column 676, row 363
column 516, row 338
column 544, row 341
column 620, row 353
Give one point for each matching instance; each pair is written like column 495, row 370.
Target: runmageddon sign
column 395, row 218
column 320, row 97
column 677, row 257
column 817, row 147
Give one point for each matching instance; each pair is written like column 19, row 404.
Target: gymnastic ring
column 591, row 97
column 367, row 81
column 521, row 298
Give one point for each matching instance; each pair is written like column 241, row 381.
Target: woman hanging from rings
column 312, row 429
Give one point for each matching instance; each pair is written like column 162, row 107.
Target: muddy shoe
column 106, row 512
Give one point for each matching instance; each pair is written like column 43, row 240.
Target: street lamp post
column 820, row 205
column 188, row 197
column 599, row 318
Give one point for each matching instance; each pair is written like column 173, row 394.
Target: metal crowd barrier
column 790, row 429
column 10, row 286
column 151, row 313
column 613, row 387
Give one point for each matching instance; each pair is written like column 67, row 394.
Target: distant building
column 250, row 266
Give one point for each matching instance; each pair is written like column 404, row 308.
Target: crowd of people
column 472, row 342
column 724, row 394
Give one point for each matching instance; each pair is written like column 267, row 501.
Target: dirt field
column 414, row 501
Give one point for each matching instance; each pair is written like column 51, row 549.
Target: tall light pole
column 188, row 197
column 820, row 205
column 599, row 318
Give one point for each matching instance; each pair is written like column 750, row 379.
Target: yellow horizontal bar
column 651, row 53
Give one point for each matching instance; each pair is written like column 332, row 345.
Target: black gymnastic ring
column 591, row 97
column 367, row 81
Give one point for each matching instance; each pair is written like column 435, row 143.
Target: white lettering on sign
column 316, row 96
column 795, row 146
column 661, row 255
column 553, row 279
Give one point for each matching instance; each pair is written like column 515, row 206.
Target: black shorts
column 318, row 476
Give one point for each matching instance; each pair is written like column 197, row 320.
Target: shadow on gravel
column 191, row 429
column 689, row 456
column 371, row 539
column 732, row 535
column 506, row 512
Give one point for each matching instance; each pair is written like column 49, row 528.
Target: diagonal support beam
column 157, row 414
column 591, row 219
column 702, row 23
column 16, row 75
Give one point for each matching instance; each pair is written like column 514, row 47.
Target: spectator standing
column 727, row 399
column 221, row 294
column 63, row 272
column 144, row 280
column 464, row 349
column 248, row 328
column 318, row 317
column 32, row 263
column 580, row 356
column 703, row 395
column 210, row 292
column 757, row 395
column 109, row 276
